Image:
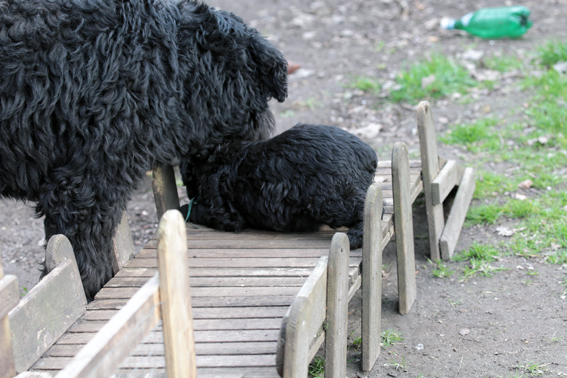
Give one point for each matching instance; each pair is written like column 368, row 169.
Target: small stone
column 464, row 332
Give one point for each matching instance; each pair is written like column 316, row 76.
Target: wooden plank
column 430, row 167
column 252, row 243
column 123, row 244
column 243, row 252
column 175, row 297
column 336, row 333
column 267, row 301
column 403, row 223
column 276, row 262
column 165, row 189
column 251, row 372
column 7, row 365
column 458, row 213
column 146, row 349
column 215, row 282
column 107, row 348
column 257, row 235
column 445, row 181
column 50, row 308
column 9, row 294
column 299, row 324
column 371, row 278
column 225, row 272
column 127, row 292
column 207, row 313
column 228, row 336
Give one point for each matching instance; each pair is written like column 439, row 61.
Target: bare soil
column 484, row 327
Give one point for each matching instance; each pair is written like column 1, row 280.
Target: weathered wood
column 50, row 308
column 337, row 308
column 123, row 244
column 445, row 181
column 34, row 374
column 7, row 366
column 430, row 170
column 165, row 189
column 256, row 243
column 458, row 213
column 109, row 304
column 371, row 278
column 58, row 250
column 216, row 282
column 304, row 318
column 224, row 272
column 127, row 292
column 243, row 252
column 9, row 295
column 175, row 297
column 104, row 352
column 403, row 223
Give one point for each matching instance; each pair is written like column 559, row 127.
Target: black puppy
column 305, row 177
column 94, row 93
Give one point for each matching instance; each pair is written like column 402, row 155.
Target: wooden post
column 165, row 189
column 403, row 226
column 50, row 308
column 123, row 244
column 337, row 307
column 175, row 297
column 430, row 169
column 458, row 213
column 7, row 367
column 296, row 363
column 372, row 277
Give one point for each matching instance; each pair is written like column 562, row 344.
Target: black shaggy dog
column 305, row 177
column 93, row 93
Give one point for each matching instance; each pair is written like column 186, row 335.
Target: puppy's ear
column 271, row 66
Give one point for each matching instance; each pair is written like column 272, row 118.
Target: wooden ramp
column 241, row 287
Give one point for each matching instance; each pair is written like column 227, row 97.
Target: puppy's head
column 231, row 74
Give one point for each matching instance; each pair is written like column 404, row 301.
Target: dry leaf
column 292, row 67
column 504, row 231
column 526, row 184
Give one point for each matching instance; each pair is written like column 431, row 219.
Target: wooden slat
column 50, row 308
column 445, row 181
column 107, row 348
column 8, row 369
column 200, row 336
column 255, row 243
column 243, row 252
column 127, row 292
column 403, row 222
column 216, row 282
column 165, row 189
column 430, row 167
column 372, row 278
column 225, row 272
column 336, row 311
column 123, row 244
column 458, row 213
column 296, row 262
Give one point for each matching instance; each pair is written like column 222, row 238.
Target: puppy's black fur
column 305, row 177
column 94, row 93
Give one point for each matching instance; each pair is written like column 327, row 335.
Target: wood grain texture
column 372, row 278
column 165, row 189
column 58, row 250
column 445, row 181
column 46, row 312
column 175, row 297
column 123, row 244
column 458, row 213
column 7, row 365
column 105, row 351
column 430, row 170
column 337, row 308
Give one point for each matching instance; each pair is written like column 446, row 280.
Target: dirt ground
column 495, row 326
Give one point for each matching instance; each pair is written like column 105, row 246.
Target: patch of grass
column 558, row 257
column 479, row 252
column 478, row 266
column 484, row 214
column 287, row 114
column 534, row 368
column 552, row 52
column 398, row 365
column 503, row 63
column 366, row 84
column 490, row 184
column 554, row 339
column 441, row 271
column 520, row 209
column 390, row 337
column 317, row 367
column 356, row 341
column 435, row 77
column 476, row 137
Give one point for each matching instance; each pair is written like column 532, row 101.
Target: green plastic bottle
column 493, row 23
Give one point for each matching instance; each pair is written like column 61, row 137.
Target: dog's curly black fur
column 93, row 93
column 305, row 177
